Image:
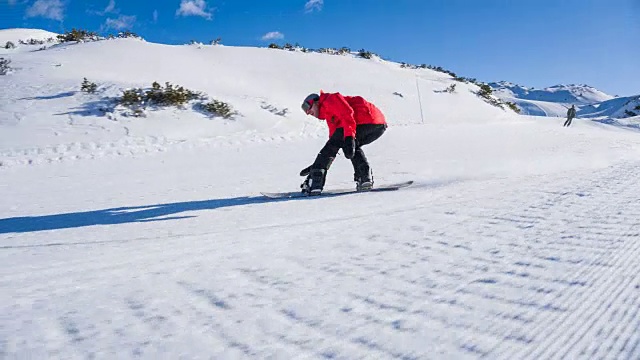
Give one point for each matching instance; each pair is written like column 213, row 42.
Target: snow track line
column 621, row 262
column 295, row 326
column 608, row 295
column 615, row 337
column 625, row 257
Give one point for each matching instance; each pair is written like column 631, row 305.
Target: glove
column 306, row 171
column 349, row 148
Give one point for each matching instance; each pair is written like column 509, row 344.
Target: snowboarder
column 571, row 113
column 353, row 122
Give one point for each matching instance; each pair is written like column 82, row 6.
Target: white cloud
column 123, row 22
column 273, row 35
column 155, row 16
column 194, row 8
column 312, row 5
column 50, row 9
column 110, row 7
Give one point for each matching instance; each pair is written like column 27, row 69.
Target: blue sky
column 535, row 43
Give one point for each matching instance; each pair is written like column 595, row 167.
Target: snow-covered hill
column 555, row 100
column 43, row 103
column 147, row 237
column 17, row 35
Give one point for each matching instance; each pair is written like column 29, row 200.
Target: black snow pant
column 365, row 134
column 568, row 122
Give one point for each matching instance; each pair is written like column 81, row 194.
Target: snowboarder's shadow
column 145, row 213
column 123, row 215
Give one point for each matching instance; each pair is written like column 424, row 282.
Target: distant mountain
column 566, row 94
column 554, row 100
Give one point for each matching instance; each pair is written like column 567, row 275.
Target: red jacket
column 347, row 112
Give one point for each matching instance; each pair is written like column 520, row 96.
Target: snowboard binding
column 314, row 183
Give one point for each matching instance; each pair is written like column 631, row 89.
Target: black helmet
column 308, row 101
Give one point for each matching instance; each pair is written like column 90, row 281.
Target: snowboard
column 335, row 192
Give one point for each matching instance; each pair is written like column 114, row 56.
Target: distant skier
column 353, row 122
column 571, row 113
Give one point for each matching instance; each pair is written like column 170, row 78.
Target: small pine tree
column 4, row 66
column 10, row 45
column 88, row 87
column 128, row 34
column 77, row 35
column 219, row 108
column 466, row 80
column 274, row 46
column 637, row 107
column 170, row 95
column 451, row 88
column 365, row 54
column 132, row 97
column 485, row 90
column 31, row 42
column 344, row 51
column 513, row 106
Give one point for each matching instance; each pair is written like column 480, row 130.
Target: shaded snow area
column 146, row 237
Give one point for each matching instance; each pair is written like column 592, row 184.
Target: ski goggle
column 306, row 106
